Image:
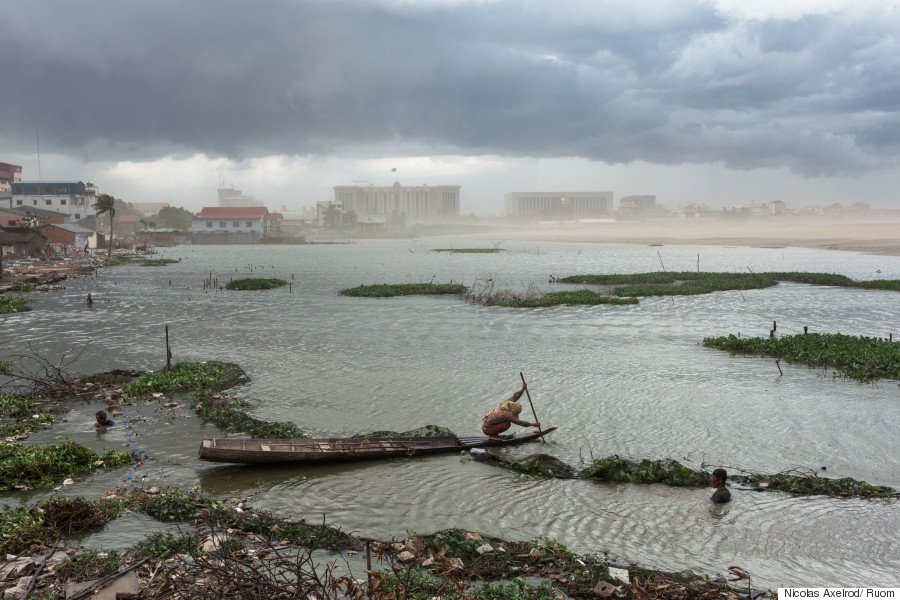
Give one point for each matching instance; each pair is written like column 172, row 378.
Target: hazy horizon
column 704, row 101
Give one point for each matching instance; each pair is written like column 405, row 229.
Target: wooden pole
column 168, row 352
column 532, row 406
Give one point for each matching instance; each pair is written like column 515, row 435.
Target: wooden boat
column 328, row 450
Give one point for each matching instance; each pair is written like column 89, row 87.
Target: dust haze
column 873, row 233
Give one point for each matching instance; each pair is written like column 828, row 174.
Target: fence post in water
column 771, row 333
column 805, row 328
column 290, row 288
column 774, row 325
column 777, row 364
column 369, row 570
column 168, row 352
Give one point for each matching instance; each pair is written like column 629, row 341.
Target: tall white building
column 558, row 205
column 423, row 203
column 72, row 198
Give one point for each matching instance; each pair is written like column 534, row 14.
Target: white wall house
column 236, row 219
column 71, row 198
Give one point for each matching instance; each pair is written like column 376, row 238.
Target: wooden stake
column 168, row 352
column 536, row 420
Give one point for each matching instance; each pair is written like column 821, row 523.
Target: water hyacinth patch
column 158, row 262
column 403, row 289
column 14, row 304
column 188, row 376
column 255, row 283
column 47, row 465
column 861, row 358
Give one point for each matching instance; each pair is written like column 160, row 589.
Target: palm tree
column 106, row 204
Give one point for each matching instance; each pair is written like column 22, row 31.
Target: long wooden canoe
column 327, row 450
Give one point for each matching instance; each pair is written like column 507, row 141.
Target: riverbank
column 871, row 235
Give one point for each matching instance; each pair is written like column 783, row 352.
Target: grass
column 13, row 304
column 255, row 283
column 403, row 289
column 861, row 358
column 685, row 283
column 188, row 376
column 47, row 465
column 668, row 471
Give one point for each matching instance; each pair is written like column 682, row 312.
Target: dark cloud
column 603, row 81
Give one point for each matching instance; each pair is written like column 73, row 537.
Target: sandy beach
column 874, row 234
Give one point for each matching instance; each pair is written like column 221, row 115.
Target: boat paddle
column 532, row 406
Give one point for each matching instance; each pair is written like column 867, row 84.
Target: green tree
column 106, row 204
column 396, row 220
column 175, row 218
column 332, row 216
column 349, row 219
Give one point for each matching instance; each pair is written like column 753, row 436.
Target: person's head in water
column 718, row 478
column 102, row 421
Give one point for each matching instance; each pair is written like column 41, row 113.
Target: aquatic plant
column 158, row 262
column 861, row 358
column 22, row 287
column 683, row 283
column 668, row 471
column 189, row 376
column 222, row 413
column 255, row 283
column 22, row 414
column 14, row 304
column 387, row 290
column 576, row 297
column 808, row 483
column 47, row 465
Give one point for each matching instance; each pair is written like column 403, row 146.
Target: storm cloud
column 648, row 81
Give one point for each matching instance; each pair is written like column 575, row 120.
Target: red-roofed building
column 253, row 222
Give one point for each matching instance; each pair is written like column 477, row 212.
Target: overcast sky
column 720, row 102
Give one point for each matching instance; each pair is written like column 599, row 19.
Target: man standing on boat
column 501, row 418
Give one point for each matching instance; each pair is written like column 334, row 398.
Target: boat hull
column 332, row 450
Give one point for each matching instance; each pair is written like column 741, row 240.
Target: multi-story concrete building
column 9, row 174
column 558, row 205
column 423, row 203
column 644, row 204
column 72, row 198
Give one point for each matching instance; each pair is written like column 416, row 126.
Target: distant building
column 777, row 207
column 421, row 203
column 755, row 208
column 232, row 198
column 67, row 235
column 558, row 205
column 72, row 198
column 644, row 204
column 239, row 224
column 9, row 174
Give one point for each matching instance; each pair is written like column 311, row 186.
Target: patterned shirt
column 501, row 415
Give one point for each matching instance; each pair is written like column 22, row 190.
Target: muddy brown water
column 632, row 380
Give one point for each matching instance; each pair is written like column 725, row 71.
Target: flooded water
column 627, row 380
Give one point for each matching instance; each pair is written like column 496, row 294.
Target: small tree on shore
column 107, row 204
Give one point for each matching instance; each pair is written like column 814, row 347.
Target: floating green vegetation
column 21, row 414
column 808, row 483
column 388, row 290
column 541, row 466
column 111, row 379
column 221, row 412
column 686, row 283
column 668, row 471
column 860, row 358
column 255, row 283
column 47, row 465
column 174, row 505
column 119, row 260
column 22, row 287
column 158, row 262
column 189, row 376
column 470, row 250
column 576, row 297
column 14, row 304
